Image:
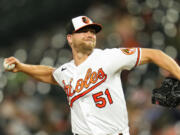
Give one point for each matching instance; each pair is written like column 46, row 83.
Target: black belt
column 118, row 134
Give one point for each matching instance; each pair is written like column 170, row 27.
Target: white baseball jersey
column 94, row 91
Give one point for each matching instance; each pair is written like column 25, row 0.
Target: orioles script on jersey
column 95, row 78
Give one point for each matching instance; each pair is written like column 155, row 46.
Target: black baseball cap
column 80, row 22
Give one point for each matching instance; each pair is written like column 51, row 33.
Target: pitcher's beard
column 85, row 48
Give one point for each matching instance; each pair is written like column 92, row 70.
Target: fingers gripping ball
column 7, row 66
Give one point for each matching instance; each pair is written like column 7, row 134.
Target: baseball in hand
column 7, row 66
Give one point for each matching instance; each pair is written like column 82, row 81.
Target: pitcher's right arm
column 39, row 72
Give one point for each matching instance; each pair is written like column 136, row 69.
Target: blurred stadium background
column 33, row 32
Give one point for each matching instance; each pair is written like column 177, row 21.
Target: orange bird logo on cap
column 85, row 20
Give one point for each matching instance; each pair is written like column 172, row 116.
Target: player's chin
column 88, row 48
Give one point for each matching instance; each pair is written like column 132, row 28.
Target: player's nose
column 90, row 33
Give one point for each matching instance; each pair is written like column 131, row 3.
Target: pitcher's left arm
column 161, row 59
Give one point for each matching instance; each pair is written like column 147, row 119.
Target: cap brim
column 95, row 26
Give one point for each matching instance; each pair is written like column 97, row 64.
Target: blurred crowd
column 28, row 107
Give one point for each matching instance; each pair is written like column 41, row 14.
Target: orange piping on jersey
column 101, row 75
column 138, row 57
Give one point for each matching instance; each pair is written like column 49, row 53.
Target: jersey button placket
column 86, row 111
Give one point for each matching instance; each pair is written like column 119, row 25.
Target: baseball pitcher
column 92, row 79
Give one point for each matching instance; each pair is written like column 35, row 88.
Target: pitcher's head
column 81, row 33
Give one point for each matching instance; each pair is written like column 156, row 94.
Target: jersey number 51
column 101, row 101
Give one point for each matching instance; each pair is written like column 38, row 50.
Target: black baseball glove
column 168, row 95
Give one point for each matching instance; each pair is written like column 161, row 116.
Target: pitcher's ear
column 69, row 39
